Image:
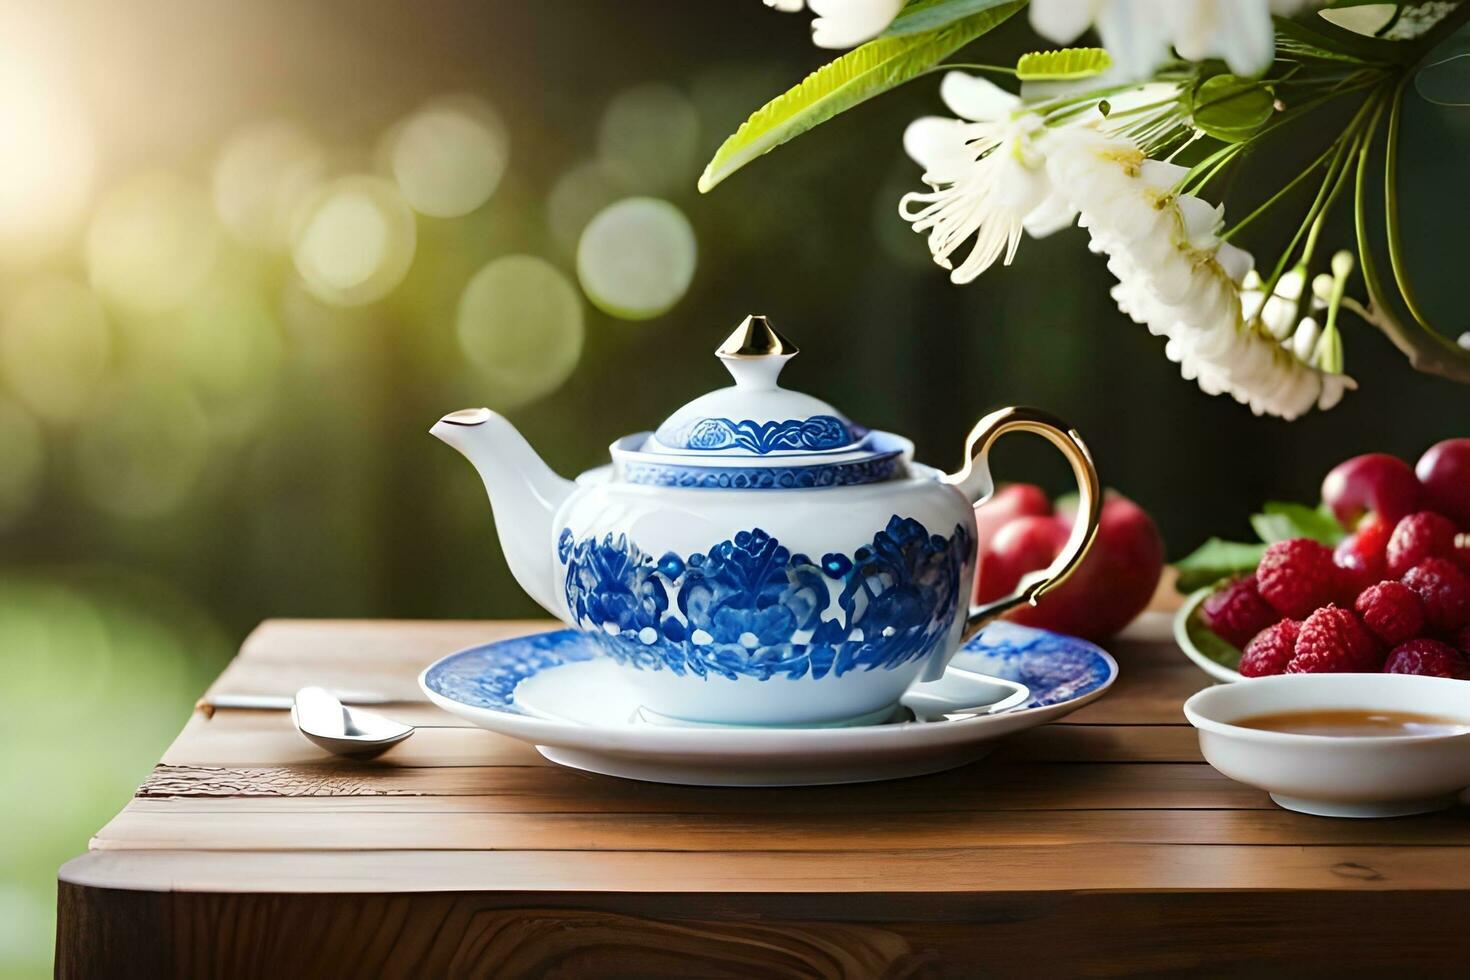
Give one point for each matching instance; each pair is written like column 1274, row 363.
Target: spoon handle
column 273, row 702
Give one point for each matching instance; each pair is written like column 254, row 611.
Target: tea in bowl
column 1341, row 745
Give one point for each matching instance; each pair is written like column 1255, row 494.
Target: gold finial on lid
column 755, row 337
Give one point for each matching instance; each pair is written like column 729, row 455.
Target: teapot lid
column 755, row 417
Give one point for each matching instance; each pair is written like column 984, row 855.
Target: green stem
column 970, row 66
column 1332, row 182
column 1225, row 152
column 1050, row 106
column 1426, row 349
column 1338, row 185
column 1208, row 175
column 1306, row 172
column 1390, row 207
column 1339, row 153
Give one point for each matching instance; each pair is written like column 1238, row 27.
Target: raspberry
column 1391, row 611
column 1271, row 650
column 1296, row 577
column 1428, row 657
column 1360, row 556
column 1461, row 556
column 1238, row 612
column 1417, row 537
column 1462, row 640
column 1445, row 592
column 1332, row 641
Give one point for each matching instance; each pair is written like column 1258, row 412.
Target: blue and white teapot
column 759, row 559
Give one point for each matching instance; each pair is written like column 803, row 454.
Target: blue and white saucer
column 558, row 692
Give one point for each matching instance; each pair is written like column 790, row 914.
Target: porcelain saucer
column 554, row 691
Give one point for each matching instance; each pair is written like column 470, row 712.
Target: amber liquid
column 1355, row 723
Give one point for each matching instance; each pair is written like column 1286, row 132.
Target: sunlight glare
column 355, row 241
column 636, row 258
column 520, row 323
column 54, row 346
column 152, row 241
column 262, row 176
column 448, row 157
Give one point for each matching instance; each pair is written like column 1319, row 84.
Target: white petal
column 1201, row 220
column 1193, row 25
column 1333, row 388
column 1279, row 316
column 847, row 23
column 1290, row 284
column 785, row 6
column 1162, row 175
column 1237, row 262
column 1304, row 341
column 973, row 97
column 1051, row 215
column 1019, row 189
column 1239, row 31
column 1136, row 34
column 1246, row 39
column 939, row 146
column 1063, row 21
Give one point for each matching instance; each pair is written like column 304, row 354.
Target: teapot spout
column 524, row 495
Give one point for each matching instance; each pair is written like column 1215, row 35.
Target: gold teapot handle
column 974, row 481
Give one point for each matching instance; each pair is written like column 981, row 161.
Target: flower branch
column 1092, row 140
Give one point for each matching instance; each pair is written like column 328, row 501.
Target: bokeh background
column 249, row 252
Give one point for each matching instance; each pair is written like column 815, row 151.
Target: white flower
column 987, row 170
column 987, row 173
column 844, row 23
column 1178, row 278
column 1138, row 33
column 1278, row 312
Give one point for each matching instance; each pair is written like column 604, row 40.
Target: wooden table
column 1101, row 845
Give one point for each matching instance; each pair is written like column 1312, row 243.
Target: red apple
column 1362, row 556
column 1376, row 483
column 1008, row 503
column 1444, row 475
column 1112, row 585
column 1023, row 545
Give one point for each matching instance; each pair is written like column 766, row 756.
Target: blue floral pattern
column 874, row 469
column 749, row 607
column 815, row 433
column 1056, row 668
column 486, row 676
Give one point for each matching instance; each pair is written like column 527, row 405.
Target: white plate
column 1215, row 669
column 601, row 732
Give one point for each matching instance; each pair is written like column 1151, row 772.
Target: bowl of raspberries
column 1377, row 579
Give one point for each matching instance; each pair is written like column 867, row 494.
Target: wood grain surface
column 1102, row 845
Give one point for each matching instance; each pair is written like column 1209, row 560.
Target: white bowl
column 1339, row 776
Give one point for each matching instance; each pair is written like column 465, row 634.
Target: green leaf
column 1063, row 65
column 1282, row 521
column 1418, row 293
column 1328, row 42
column 929, row 15
column 839, row 85
column 1206, row 640
column 1217, row 559
column 1231, row 108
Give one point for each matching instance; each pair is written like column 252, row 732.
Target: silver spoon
column 323, row 720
